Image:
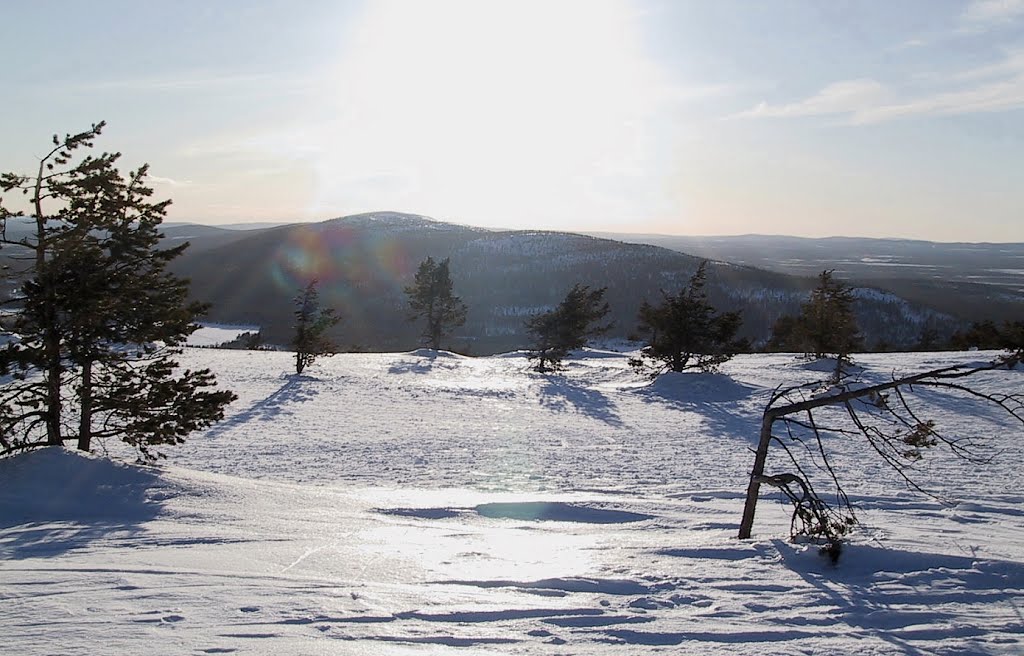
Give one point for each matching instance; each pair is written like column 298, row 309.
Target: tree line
column 680, row 332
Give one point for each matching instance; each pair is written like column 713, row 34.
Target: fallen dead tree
column 883, row 416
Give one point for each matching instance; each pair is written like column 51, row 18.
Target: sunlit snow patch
column 217, row 334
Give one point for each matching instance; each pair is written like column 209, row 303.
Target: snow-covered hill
column 420, row 503
column 364, row 262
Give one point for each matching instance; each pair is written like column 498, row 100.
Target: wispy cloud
column 170, row 182
column 993, row 87
column 847, row 96
column 1011, row 65
column 992, row 97
column 911, row 43
column 985, row 13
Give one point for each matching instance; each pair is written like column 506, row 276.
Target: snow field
column 429, row 503
column 217, row 334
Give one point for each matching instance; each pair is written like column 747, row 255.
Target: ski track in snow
column 425, row 503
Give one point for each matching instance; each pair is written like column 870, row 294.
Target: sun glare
column 488, row 111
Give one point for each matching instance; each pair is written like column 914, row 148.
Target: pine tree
column 787, row 335
column 568, row 327
column 1013, row 337
column 431, row 298
column 981, row 335
column 98, row 318
column 311, row 324
column 686, row 332
column 826, row 325
column 987, row 335
column 827, row 319
column 928, row 338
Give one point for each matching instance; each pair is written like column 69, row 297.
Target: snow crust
column 217, row 334
column 428, row 503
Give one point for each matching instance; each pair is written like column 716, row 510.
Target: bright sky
column 886, row 119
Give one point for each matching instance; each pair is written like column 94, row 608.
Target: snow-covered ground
column 217, row 334
column 434, row 504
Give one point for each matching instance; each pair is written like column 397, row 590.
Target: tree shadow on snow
column 295, row 391
column 963, row 404
column 423, row 361
column 900, row 596
column 551, row 511
column 55, row 500
column 729, row 408
column 420, row 366
column 560, row 395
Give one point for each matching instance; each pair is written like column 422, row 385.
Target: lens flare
column 349, row 263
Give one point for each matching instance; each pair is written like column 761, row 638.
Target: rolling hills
column 363, row 263
column 965, row 280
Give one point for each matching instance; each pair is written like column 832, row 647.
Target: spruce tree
column 826, row 325
column 568, row 327
column 787, row 335
column 827, row 320
column 686, row 332
column 1013, row 337
column 311, row 324
column 98, row 318
column 981, row 335
column 431, row 298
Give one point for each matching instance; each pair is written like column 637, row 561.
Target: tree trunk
column 435, row 340
column 54, row 367
column 51, row 339
column 85, row 425
column 435, row 333
column 53, row 400
column 754, row 487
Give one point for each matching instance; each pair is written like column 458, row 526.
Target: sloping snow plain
column 217, row 334
column 428, row 503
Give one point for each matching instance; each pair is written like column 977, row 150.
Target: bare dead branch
column 897, row 434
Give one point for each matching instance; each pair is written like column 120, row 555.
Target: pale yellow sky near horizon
column 650, row 116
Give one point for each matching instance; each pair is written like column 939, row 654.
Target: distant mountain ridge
column 363, row 263
column 966, row 280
